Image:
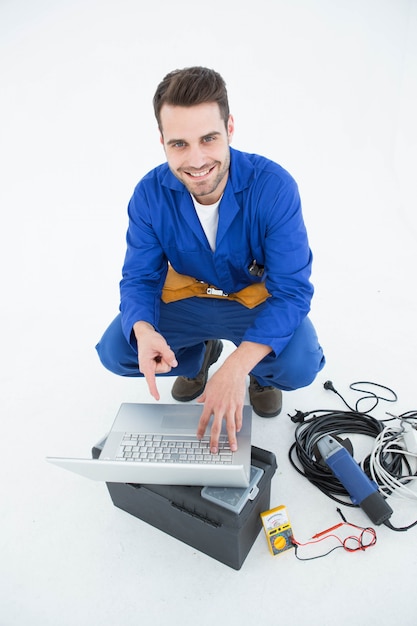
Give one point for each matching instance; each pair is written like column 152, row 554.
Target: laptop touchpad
column 183, row 423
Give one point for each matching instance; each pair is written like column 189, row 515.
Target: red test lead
column 329, row 530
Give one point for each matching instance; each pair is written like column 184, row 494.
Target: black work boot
column 185, row 389
column 265, row 401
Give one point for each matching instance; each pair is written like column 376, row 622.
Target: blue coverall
column 260, row 219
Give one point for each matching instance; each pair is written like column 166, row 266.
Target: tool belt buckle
column 212, row 291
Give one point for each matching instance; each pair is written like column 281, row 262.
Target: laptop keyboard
column 171, row 449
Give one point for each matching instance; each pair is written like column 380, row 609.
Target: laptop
column 157, row 444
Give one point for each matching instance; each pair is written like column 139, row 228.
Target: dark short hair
column 189, row 87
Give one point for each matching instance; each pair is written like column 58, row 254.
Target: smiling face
column 196, row 143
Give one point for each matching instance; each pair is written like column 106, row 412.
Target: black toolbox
column 182, row 513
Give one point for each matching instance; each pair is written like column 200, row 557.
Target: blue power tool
column 363, row 491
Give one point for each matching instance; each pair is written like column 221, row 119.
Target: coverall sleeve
column 144, row 269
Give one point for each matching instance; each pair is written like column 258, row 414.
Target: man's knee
column 303, row 374
column 303, row 358
column 115, row 353
column 289, row 375
column 298, row 364
column 107, row 358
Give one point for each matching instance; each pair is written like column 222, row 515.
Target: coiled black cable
column 337, row 423
column 309, row 431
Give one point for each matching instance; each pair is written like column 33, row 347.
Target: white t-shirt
column 208, row 214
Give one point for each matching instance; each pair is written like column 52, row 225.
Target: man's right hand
column 154, row 355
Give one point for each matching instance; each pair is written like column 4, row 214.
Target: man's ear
column 230, row 128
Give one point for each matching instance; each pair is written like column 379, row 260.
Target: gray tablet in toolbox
column 234, row 498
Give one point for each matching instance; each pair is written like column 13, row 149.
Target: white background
column 328, row 88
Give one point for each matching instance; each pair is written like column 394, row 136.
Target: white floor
column 329, row 90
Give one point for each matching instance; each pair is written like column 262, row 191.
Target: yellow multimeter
column 277, row 529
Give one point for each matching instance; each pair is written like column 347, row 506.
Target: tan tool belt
column 178, row 286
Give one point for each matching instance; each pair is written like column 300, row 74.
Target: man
column 229, row 227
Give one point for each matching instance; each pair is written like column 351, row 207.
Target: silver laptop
column 157, row 444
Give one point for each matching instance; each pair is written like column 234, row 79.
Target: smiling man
column 216, row 249
column 201, row 163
